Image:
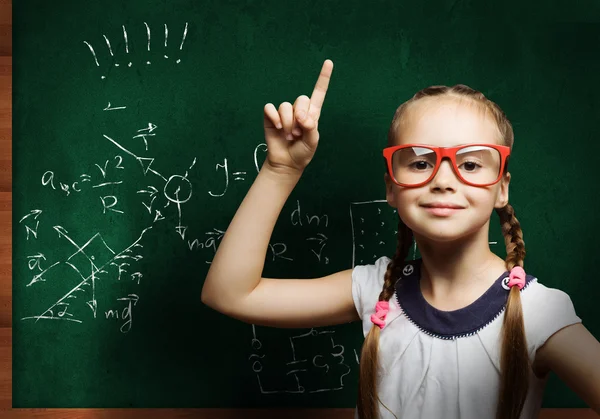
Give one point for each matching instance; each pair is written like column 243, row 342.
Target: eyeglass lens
column 477, row 164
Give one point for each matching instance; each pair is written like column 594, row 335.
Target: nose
column 445, row 178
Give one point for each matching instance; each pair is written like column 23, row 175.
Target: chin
column 447, row 236
column 441, row 230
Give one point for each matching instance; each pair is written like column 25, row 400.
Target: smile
column 442, row 212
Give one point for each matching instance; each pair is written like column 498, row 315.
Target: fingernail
column 301, row 115
column 296, row 131
column 278, row 126
column 289, row 137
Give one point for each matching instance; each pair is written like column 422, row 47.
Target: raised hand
column 292, row 131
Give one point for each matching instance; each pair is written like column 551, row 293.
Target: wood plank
column 6, row 39
column 5, row 259
column 5, row 27
column 5, row 368
column 5, row 121
column 6, row 12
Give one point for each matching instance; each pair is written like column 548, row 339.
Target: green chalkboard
column 138, row 131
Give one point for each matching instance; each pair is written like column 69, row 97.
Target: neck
column 450, row 266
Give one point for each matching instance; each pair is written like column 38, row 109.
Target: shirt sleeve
column 367, row 283
column 547, row 310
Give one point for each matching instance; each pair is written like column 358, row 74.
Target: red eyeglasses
column 414, row 165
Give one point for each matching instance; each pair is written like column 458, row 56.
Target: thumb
column 311, row 133
column 306, row 121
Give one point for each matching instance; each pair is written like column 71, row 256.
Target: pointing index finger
column 318, row 95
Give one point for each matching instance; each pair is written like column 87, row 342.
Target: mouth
column 442, row 211
column 442, row 205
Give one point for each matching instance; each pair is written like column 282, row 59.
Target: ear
column 502, row 198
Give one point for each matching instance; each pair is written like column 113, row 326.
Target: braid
column 514, row 359
column 404, row 238
column 513, row 237
column 367, row 386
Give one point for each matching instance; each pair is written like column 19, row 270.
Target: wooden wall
column 6, row 410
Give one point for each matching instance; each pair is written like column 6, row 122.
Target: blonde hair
column 514, row 360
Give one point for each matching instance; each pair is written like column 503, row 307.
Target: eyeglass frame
column 450, row 153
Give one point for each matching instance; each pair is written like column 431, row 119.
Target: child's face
column 445, row 123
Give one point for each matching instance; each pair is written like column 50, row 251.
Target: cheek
column 482, row 197
column 406, row 201
column 404, row 197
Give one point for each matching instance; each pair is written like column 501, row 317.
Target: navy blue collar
column 450, row 324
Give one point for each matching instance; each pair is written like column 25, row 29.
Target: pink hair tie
column 516, row 277
column 381, row 309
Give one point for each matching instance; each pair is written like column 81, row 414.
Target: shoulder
column 546, row 310
column 367, row 283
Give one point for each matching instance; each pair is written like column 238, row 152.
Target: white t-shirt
column 446, row 364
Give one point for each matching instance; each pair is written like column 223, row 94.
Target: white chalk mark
column 148, row 160
column 166, row 34
column 149, row 206
column 107, row 183
column 36, row 213
column 50, row 318
column 125, row 37
column 153, row 191
column 262, row 145
column 120, row 146
column 158, row 216
column 148, row 33
column 145, row 162
column 75, row 269
column 184, row 35
column 85, row 281
column 38, row 277
column 157, row 174
column 108, row 45
column 93, row 53
column 144, row 138
column 108, row 108
column 181, row 230
column 80, row 249
column 151, row 127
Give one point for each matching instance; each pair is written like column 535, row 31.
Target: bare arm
column 238, row 264
column 234, row 283
column 573, row 353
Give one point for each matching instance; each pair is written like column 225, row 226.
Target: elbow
column 205, row 297
column 212, row 299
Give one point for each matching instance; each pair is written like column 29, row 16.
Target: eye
column 420, row 164
column 471, row 165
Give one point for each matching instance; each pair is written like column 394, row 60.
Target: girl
column 458, row 333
